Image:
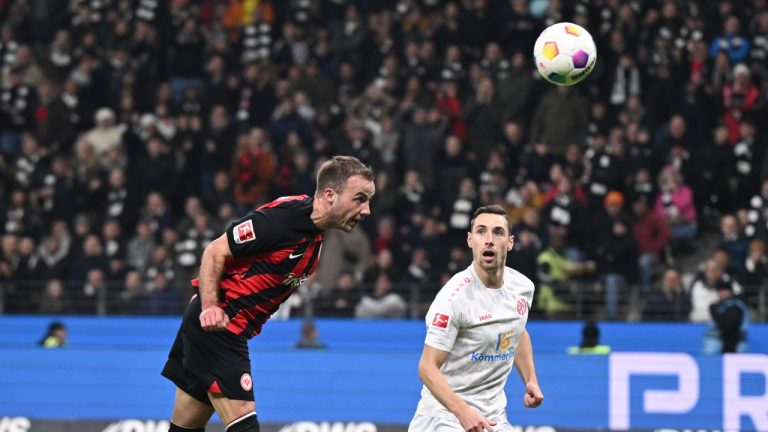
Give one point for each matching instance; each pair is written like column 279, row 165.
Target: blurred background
column 133, row 132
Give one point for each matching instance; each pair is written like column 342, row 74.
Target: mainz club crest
column 522, row 307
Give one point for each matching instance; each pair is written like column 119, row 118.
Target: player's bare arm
column 527, row 370
column 429, row 373
column 216, row 254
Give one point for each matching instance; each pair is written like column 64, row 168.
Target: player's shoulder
column 292, row 203
column 457, row 284
column 519, row 283
column 291, row 211
column 518, row 277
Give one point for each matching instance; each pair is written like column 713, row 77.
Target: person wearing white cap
column 105, row 136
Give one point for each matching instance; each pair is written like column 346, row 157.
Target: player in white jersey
column 475, row 334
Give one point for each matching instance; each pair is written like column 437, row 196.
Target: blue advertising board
column 371, row 377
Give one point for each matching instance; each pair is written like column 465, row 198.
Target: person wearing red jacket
column 652, row 236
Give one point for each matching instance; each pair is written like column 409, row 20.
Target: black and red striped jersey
column 275, row 248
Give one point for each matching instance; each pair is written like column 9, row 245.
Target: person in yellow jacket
column 56, row 337
column 590, row 341
column 556, row 297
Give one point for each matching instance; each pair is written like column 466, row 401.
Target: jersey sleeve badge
column 440, row 321
column 243, row 232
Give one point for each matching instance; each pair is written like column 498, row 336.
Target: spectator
column 717, row 164
column 730, row 320
column 675, row 205
column 54, row 251
column 387, row 193
column 560, row 118
column 590, row 341
column 454, row 169
column 253, row 169
column 524, row 255
column 604, row 171
column 522, row 199
column 91, row 258
column 90, row 296
column 186, row 58
column 411, row 199
column 354, row 250
column 161, row 263
column 652, row 235
column 341, row 298
column 459, row 213
column 704, row 290
column 730, row 41
column 53, row 300
column 119, row 201
column 126, row 300
column 626, row 81
column 422, row 135
column 616, row 264
column 382, row 303
column 106, row 136
column 55, row 337
column 566, row 213
column 287, row 121
column 516, row 90
column 669, row 301
column 140, row 246
column 114, row 243
column 383, row 263
column 221, row 193
column 309, row 338
column 161, row 297
column 756, row 225
column 735, row 243
column 755, row 272
column 481, row 116
column 748, row 152
column 739, row 99
column 555, row 270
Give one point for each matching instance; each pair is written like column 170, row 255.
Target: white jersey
column 480, row 328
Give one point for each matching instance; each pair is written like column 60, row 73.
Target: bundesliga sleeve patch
column 243, row 232
column 440, row 320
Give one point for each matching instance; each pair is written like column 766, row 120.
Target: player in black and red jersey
column 244, row 276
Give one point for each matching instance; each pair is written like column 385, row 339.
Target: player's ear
column 329, row 194
column 511, row 243
column 469, row 239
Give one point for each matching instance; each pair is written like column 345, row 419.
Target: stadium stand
column 133, row 132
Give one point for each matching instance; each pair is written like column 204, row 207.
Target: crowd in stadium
column 132, row 132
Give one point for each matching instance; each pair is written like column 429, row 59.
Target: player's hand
column 533, row 396
column 472, row 421
column 213, row 319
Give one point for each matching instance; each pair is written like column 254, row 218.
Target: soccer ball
column 564, row 53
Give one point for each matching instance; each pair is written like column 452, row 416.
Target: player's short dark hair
column 492, row 209
column 335, row 172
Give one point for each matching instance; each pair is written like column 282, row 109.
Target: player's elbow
column 422, row 373
column 217, row 248
column 425, row 370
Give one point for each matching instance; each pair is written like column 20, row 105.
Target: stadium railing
column 586, row 300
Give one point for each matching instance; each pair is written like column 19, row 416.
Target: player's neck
column 319, row 214
column 491, row 279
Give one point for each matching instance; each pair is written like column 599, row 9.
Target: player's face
column 353, row 204
column 490, row 241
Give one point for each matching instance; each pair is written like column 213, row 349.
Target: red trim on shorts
column 214, row 388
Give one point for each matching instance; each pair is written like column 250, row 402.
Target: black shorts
column 202, row 361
